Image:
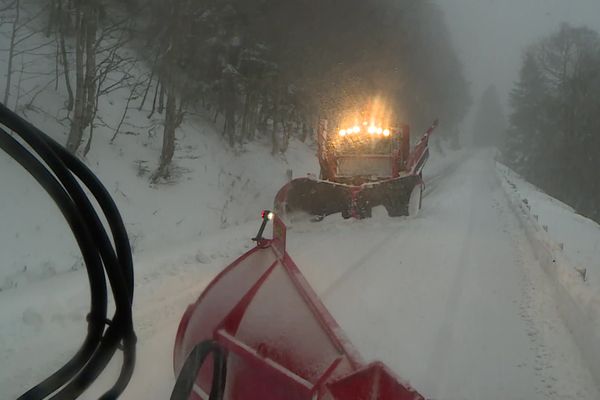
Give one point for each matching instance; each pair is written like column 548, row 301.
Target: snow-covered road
column 452, row 300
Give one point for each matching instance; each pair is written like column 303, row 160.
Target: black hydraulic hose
column 98, row 252
column 193, row 363
column 92, row 261
column 123, row 275
column 126, row 370
column 109, row 208
column 57, row 158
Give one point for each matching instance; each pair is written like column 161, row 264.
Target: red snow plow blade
column 323, row 198
column 278, row 340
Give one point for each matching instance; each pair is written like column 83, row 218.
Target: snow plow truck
column 363, row 165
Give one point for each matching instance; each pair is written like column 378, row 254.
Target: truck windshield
column 361, row 145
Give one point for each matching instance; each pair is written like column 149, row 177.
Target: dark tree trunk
column 11, row 52
column 149, row 84
column 304, row 131
column 86, row 71
column 246, row 115
column 77, row 121
column 62, row 22
column 91, row 24
column 230, row 97
column 168, row 146
column 285, row 139
column 158, row 83
column 161, row 100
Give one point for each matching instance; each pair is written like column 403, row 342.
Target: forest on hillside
column 258, row 67
column 553, row 139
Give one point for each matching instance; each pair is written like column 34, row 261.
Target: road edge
column 578, row 308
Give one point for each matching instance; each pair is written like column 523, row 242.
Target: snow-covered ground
column 46, row 310
column 455, row 300
column 577, row 237
column 219, row 188
column 566, row 245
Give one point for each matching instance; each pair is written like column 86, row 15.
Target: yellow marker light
column 386, row 133
column 379, row 131
column 343, row 132
column 372, row 130
column 356, row 129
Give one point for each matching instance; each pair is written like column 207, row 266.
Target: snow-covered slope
column 577, row 237
column 215, row 186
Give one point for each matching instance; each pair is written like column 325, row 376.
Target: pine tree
column 524, row 138
column 554, row 134
column 490, row 125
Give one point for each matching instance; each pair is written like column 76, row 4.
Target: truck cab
column 362, row 153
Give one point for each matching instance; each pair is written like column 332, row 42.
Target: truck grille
column 380, row 167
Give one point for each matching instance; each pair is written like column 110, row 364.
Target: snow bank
column 566, row 245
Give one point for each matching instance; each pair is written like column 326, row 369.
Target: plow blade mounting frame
column 279, row 340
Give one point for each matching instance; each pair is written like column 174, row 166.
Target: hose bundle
column 106, row 255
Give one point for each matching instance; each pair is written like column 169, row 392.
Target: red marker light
column 266, row 214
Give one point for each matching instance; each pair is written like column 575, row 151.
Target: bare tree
column 98, row 48
column 172, row 85
column 62, row 20
column 132, row 95
column 11, row 51
column 86, row 19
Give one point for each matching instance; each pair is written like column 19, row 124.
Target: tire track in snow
column 362, row 261
column 438, row 360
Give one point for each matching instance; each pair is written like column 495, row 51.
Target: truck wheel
column 397, row 210
column 366, row 212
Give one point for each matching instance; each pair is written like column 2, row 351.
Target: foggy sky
column 490, row 35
